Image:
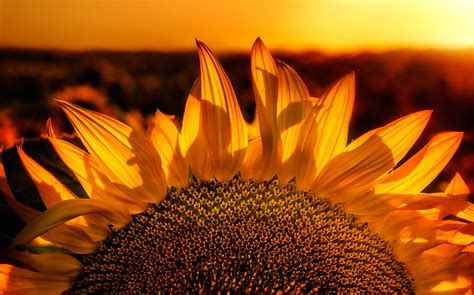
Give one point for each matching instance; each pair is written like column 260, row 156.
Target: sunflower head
column 284, row 204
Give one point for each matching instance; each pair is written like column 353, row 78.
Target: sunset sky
column 230, row 25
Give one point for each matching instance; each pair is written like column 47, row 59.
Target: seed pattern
column 242, row 237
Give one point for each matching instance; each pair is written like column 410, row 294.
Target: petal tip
column 200, row 45
column 60, row 101
column 424, row 115
column 49, row 128
column 258, row 42
column 349, row 78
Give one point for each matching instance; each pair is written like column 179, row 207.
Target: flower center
column 242, row 237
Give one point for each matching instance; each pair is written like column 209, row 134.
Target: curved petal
column 89, row 174
column 361, row 139
column 253, row 129
column 53, row 263
column 354, row 171
column 64, row 211
column 127, row 157
column 420, row 170
column 192, row 143
column 15, row 279
column 263, row 160
column 224, row 128
column 52, row 191
column 165, row 138
column 443, row 270
column 293, row 107
column 459, row 208
column 70, row 237
column 324, row 132
column 457, row 187
column 333, row 124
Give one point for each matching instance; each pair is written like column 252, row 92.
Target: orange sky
column 330, row 25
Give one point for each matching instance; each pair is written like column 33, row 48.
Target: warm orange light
column 233, row 25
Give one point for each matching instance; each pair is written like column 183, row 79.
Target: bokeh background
column 126, row 58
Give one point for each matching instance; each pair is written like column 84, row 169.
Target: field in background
column 131, row 86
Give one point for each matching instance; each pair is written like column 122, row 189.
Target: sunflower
column 281, row 205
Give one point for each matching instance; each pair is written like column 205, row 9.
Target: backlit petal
column 70, row 237
column 355, row 170
column 64, row 211
column 89, row 174
column 333, row 123
column 253, row 130
column 458, row 187
column 460, row 208
column 16, row 279
column 192, row 142
column 420, row 170
column 293, row 107
column 264, row 159
column 222, row 123
column 324, row 132
column 127, row 157
column 54, row 263
column 52, row 192
column 165, row 138
column 361, row 139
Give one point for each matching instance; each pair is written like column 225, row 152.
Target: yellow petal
column 127, row 157
column 70, row 237
column 356, row 170
column 89, row 174
column 442, row 270
column 48, row 289
column 64, row 211
column 16, row 279
column 375, row 204
column 53, row 263
column 293, row 107
column 324, row 132
column 223, row 126
column 361, row 139
column 469, row 249
column 165, row 138
column 459, row 285
column 253, row 129
column 420, row 170
column 333, row 124
column 192, row 142
column 428, row 233
column 52, row 191
column 460, row 208
column 302, row 163
column 264, row 160
column 458, row 187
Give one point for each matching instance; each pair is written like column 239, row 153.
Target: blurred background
column 126, row 58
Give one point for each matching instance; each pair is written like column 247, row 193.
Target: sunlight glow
column 333, row 26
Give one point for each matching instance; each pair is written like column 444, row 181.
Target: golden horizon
column 299, row 25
